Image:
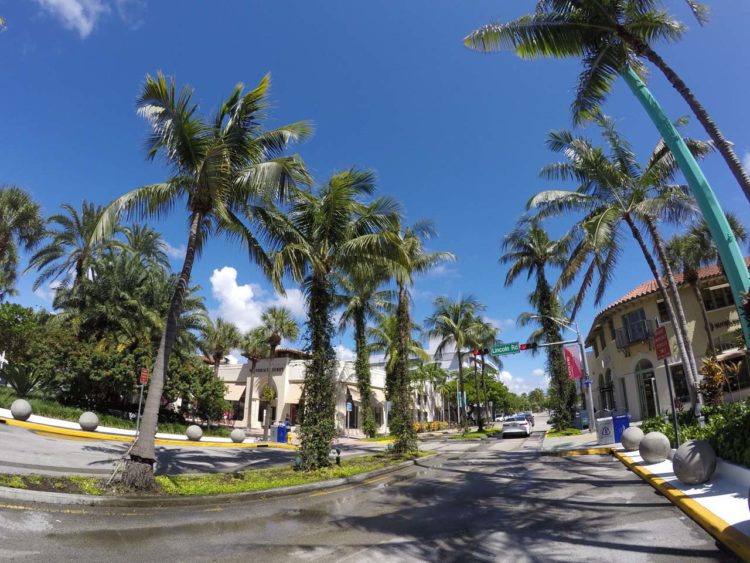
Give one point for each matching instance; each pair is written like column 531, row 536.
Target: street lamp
column 573, row 327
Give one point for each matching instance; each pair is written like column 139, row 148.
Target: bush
column 430, row 426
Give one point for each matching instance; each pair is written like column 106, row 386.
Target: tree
column 362, row 300
column 382, row 338
column 146, row 244
column 455, row 324
column 326, row 231
column 254, row 347
column 486, row 337
column 224, row 169
column 537, row 398
column 610, row 36
column 21, row 226
column 218, row 338
column 528, row 248
column 412, row 262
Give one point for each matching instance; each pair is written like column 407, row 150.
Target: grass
column 52, row 409
column 563, row 432
column 380, row 439
column 222, row 483
column 488, row 432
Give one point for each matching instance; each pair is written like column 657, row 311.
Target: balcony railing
column 633, row 333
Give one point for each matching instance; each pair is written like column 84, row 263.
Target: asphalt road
column 497, row 500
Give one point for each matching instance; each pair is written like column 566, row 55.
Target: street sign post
column 664, row 351
column 143, row 378
column 504, row 348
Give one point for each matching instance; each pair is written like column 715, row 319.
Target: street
column 496, row 500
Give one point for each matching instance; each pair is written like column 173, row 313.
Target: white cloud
column 244, row 304
column 174, row 251
column 500, row 323
column 48, row 293
column 232, row 360
column 514, row 384
column 344, row 353
column 78, row 15
column 442, row 271
column 538, row 372
column 132, row 12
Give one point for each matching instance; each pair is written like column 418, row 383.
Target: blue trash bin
column 621, row 421
column 281, row 434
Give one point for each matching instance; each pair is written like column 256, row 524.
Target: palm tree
column 610, row 36
column 71, row 249
column 528, row 248
column 412, row 262
column 455, row 323
column 382, row 337
column 218, row 339
column 327, row 231
column 147, row 244
column 362, row 300
column 20, row 225
column 254, row 347
column 486, row 337
column 278, row 323
column 224, row 168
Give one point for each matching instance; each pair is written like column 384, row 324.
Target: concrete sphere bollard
column 694, row 462
column 237, row 435
column 631, row 438
column 654, row 447
column 88, row 421
column 20, row 409
column 194, row 433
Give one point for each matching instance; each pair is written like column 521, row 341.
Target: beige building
column 285, row 375
column 622, row 361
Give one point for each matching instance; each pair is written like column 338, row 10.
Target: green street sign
column 506, row 348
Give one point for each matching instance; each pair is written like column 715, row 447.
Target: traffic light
column 529, row 346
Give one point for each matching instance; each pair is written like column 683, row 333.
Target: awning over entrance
column 378, row 395
column 354, row 392
column 234, row 392
column 293, row 394
column 730, row 355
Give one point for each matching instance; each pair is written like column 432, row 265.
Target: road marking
column 321, row 493
column 214, row 509
column 376, row 479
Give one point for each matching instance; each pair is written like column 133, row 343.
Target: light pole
column 587, row 381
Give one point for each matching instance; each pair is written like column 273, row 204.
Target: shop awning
column 234, row 392
column 293, row 394
column 378, row 395
column 730, row 355
column 354, row 392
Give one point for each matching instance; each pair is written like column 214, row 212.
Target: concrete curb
column 587, row 451
column 45, row 497
column 732, row 538
column 203, row 443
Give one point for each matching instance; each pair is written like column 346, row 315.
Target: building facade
column 625, row 371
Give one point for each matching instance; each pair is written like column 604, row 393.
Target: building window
column 602, row 343
column 635, row 326
column 596, row 350
column 611, row 323
column 717, row 297
column 679, row 384
column 663, row 313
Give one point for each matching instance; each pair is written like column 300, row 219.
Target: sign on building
column 661, row 343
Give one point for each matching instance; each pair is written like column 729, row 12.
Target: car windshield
column 519, row 418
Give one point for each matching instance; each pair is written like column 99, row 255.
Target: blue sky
column 458, row 137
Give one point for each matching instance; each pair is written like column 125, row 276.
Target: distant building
column 624, row 368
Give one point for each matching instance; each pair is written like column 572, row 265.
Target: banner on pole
column 573, row 361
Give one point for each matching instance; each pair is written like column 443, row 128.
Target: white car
column 518, row 425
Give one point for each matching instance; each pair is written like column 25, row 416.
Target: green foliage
column 21, row 227
column 18, row 326
column 712, row 384
column 74, row 484
column 430, row 426
column 23, row 379
column 563, row 432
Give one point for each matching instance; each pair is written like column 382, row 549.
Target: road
column 497, row 500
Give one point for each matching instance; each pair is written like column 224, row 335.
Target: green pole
column 726, row 244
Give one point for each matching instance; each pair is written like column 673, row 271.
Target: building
column 623, row 364
column 285, row 376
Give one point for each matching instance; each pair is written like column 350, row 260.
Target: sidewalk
column 586, row 440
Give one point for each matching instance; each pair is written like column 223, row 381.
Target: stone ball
column 20, row 409
column 654, row 447
column 694, row 462
column 631, row 438
column 88, row 421
column 194, row 433
column 237, row 435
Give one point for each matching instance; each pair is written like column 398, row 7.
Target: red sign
column 573, row 361
column 144, row 376
column 661, row 343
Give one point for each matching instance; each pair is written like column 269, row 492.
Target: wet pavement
column 496, row 500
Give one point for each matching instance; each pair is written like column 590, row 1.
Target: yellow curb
column 52, row 430
column 730, row 536
column 589, row 451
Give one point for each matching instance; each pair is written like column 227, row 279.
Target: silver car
column 518, row 425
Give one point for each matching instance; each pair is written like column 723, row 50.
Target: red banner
column 573, row 361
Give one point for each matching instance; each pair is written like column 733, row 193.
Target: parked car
column 530, row 417
column 517, row 424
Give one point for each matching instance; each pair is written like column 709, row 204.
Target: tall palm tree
column 610, row 36
column 486, row 336
column 71, row 249
column 326, row 231
column 412, row 262
column 254, row 347
column 362, row 300
column 147, row 244
column 278, row 323
column 529, row 249
column 21, row 225
column 224, row 168
column 218, row 338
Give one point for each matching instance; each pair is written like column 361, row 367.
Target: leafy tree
column 223, row 168
column 537, row 398
column 609, row 36
column 21, row 226
column 326, row 231
column 18, row 326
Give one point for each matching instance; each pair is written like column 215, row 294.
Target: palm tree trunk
column 139, row 470
column 462, row 393
column 722, row 144
column 486, row 400
column 403, row 410
column 704, row 314
column 667, row 301
column 362, row 370
column 480, row 421
column 679, row 309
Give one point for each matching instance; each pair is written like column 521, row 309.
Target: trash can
column 281, row 432
column 273, row 435
column 605, row 432
column 620, row 421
